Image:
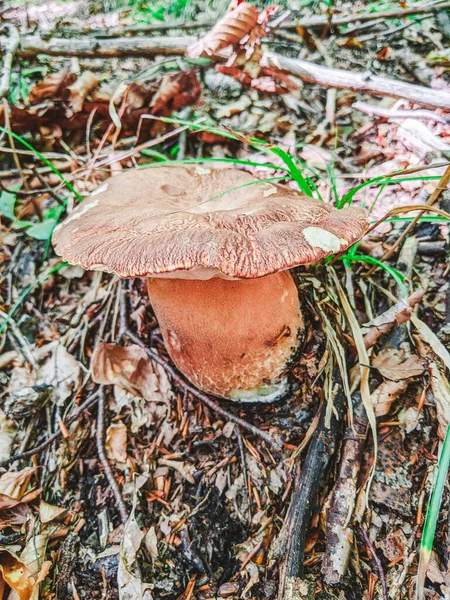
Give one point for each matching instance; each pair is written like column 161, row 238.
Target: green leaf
column 8, row 202
column 42, row 231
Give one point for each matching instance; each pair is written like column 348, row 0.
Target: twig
column 47, row 188
column 358, row 82
column 90, row 401
column 185, row 385
column 9, row 52
column 290, row 546
column 441, row 186
column 7, row 115
column 104, row 460
column 377, row 562
column 388, row 32
column 307, row 71
column 389, row 113
column 324, row 20
column 310, row 22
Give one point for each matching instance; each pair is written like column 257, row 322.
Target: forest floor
column 140, row 487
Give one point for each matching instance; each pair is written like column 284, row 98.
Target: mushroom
column 216, row 246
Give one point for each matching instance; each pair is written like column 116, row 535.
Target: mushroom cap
column 198, row 223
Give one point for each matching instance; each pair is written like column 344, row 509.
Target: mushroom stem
column 231, row 338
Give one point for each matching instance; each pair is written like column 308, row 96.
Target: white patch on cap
column 270, row 190
column 323, row 239
column 100, row 190
column 202, row 171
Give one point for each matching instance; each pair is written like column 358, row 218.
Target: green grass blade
column 429, row 529
column 50, row 165
column 398, row 277
column 294, row 171
column 199, row 161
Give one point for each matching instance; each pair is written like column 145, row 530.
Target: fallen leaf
column 49, row 512
column 62, row 372
column 129, row 580
column 316, row 157
column 130, row 368
column 15, row 483
column 51, row 87
column 397, row 365
column 151, row 542
column 78, row 91
column 7, row 431
column 116, row 442
column 15, row 574
column 176, row 91
column 239, row 20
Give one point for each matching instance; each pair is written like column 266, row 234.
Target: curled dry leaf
column 15, row 574
column 397, row 365
column 15, row 483
column 62, row 372
column 7, row 431
column 231, row 29
column 51, row 87
column 49, row 512
column 176, row 91
column 131, row 369
column 78, row 91
column 116, row 442
column 385, row 394
column 128, row 578
column 183, row 468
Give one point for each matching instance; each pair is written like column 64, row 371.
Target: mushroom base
column 231, row 338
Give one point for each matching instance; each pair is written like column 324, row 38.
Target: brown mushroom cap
column 196, row 222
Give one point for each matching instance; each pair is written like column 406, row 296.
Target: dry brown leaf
column 238, row 22
column 386, row 394
column 397, row 365
column 6, row 502
column 15, row 483
column 49, row 512
column 78, row 91
column 61, row 372
column 185, row 469
column 176, row 91
column 13, row 572
column 7, row 431
column 130, row 368
column 51, row 87
column 116, row 442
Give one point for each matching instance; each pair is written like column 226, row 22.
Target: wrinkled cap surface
column 197, row 222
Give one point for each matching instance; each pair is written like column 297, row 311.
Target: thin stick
column 203, row 397
column 377, row 562
column 311, row 22
column 104, row 460
column 90, row 401
column 441, row 186
column 10, row 51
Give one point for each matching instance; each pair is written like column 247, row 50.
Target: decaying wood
column 364, row 83
column 339, row 536
column 290, row 545
column 32, row 45
column 9, row 52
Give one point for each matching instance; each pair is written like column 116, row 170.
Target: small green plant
column 429, row 528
